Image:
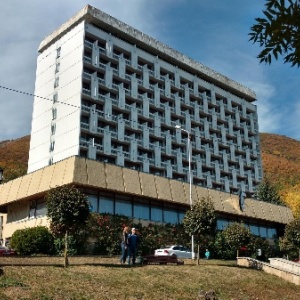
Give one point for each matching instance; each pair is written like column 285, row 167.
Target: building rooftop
column 123, row 31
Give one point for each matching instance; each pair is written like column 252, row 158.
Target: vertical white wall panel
column 67, row 121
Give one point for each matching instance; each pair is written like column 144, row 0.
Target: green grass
column 102, row 278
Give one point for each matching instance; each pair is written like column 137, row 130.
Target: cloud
column 23, row 25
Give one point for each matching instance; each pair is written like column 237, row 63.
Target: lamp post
column 190, row 175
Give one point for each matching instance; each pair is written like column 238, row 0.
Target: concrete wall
column 277, row 270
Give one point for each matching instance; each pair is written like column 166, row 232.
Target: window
column 123, row 208
column 180, row 216
column 37, row 209
column 106, row 205
column 156, row 214
column 52, row 144
column 56, row 82
column 222, row 224
column 272, row 233
column 40, row 209
column 57, row 67
column 55, row 98
column 32, row 211
column 58, row 50
column 263, row 232
column 53, row 128
column 254, row 229
column 54, row 113
column 93, row 203
column 170, row 216
column 141, row 211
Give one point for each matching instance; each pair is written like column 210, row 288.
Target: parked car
column 6, row 251
column 179, row 251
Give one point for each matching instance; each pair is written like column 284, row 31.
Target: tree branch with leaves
column 278, row 33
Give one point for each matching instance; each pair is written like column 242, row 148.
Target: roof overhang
column 86, row 173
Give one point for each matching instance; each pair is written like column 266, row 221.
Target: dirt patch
column 55, row 260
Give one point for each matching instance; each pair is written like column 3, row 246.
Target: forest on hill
column 280, row 159
column 14, row 157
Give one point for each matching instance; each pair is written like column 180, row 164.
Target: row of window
column 148, row 212
column 142, row 211
column 158, row 213
column 258, row 230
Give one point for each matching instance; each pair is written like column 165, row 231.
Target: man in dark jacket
column 133, row 242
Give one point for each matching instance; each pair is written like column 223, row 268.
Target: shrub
column 266, row 248
column 35, row 240
column 222, row 248
column 105, row 231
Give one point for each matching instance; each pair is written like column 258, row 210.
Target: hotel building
column 138, row 124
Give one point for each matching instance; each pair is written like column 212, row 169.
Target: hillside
column 280, row 158
column 14, row 157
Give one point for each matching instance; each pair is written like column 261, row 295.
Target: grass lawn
column 105, row 278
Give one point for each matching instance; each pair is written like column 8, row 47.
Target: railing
column 87, row 59
column 88, row 44
column 86, row 92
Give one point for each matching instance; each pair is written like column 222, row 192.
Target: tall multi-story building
column 108, row 92
column 141, row 129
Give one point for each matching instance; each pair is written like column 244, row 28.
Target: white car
column 179, row 251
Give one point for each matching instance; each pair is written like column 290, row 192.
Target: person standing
column 133, row 242
column 207, row 254
column 124, row 245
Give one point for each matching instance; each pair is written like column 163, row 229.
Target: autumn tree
column 200, row 221
column 292, row 199
column 68, row 211
column 237, row 235
column 278, row 32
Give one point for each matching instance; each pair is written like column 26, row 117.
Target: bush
column 105, row 231
column 267, row 250
column 35, row 240
column 222, row 248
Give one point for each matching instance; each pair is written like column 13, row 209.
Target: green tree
column 237, row 235
column 291, row 239
column 268, row 193
column 279, row 31
column 200, row 221
column 68, row 211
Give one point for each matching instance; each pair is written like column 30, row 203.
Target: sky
column 214, row 33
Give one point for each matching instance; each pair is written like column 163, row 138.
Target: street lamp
column 190, row 174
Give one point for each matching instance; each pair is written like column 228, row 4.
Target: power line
column 33, row 95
